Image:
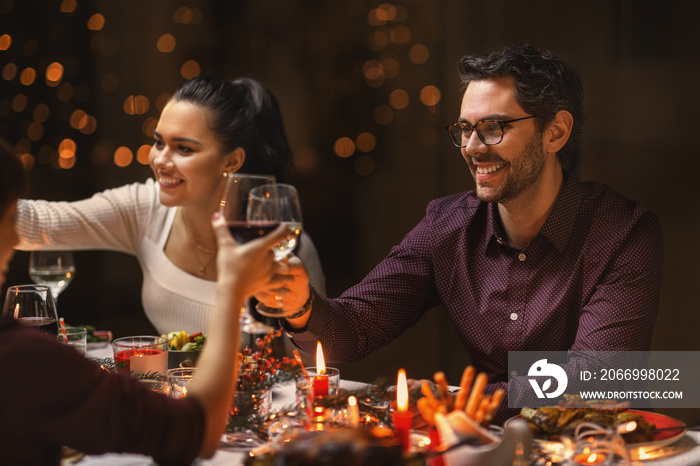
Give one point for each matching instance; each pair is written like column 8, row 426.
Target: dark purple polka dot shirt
column 589, row 281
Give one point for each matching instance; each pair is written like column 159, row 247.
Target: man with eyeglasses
column 532, row 260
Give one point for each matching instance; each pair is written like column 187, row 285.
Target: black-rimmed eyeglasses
column 489, row 131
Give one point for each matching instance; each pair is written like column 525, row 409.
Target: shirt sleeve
column 621, row 312
column 370, row 315
column 65, row 399
column 111, row 220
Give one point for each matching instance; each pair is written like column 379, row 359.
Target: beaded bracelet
column 306, row 307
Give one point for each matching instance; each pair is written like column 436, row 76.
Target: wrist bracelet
column 306, row 307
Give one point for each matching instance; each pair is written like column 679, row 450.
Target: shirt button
column 522, row 257
column 513, row 316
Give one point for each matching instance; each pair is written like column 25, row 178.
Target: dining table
column 683, row 452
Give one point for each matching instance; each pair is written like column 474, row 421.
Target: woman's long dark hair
column 245, row 114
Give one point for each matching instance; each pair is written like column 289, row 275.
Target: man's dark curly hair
column 543, row 84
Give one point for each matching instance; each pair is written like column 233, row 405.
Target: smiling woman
column 210, row 128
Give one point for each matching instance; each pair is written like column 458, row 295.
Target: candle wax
column 402, row 426
column 435, row 442
column 320, row 386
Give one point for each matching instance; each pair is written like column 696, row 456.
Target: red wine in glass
column 45, row 325
column 244, row 231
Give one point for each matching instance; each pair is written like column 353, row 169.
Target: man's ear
column 558, row 131
column 234, row 160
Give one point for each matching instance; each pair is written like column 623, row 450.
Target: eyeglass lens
column 490, row 132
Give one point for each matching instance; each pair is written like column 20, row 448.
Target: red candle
column 402, row 417
column 434, row 442
column 321, row 380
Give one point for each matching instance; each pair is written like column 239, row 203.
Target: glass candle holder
column 179, row 379
column 142, row 354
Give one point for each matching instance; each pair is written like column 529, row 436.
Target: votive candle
column 402, row 418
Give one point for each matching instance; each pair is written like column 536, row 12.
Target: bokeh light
column 19, row 103
column 96, row 22
column 68, row 6
column 9, row 71
column 344, row 147
column 399, row 99
column 400, row 34
column 78, row 119
column 166, row 43
column 190, row 69
column 5, row 41
column 149, row 126
column 27, row 160
column 430, row 95
column 27, row 76
column 35, row 131
column 136, row 105
column 419, row 54
column 142, row 154
column 90, row 125
column 67, row 153
column 123, row 156
column 54, row 74
column 365, row 142
column 41, row 113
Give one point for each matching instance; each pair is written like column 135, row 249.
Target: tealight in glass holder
column 179, row 380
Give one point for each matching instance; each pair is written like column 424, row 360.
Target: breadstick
column 426, row 410
column 481, row 410
column 429, row 397
column 441, row 382
column 496, row 399
column 476, row 393
column 464, row 384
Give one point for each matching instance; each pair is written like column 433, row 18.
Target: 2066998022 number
column 639, row 374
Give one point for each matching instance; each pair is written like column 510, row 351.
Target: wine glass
column 32, row 306
column 277, row 203
column 234, row 207
column 55, row 269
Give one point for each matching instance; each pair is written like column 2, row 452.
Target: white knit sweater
column 131, row 219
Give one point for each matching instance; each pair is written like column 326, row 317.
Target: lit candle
column 402, row 417
column 321, row 379
column 353, row 411
column 589, row 458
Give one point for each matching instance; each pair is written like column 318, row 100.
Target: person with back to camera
column 51, row 396
column 532, row 260
column 209, row 129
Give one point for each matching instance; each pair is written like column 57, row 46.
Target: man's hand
column 289, row 288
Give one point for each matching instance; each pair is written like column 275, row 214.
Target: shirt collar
column 557, row 228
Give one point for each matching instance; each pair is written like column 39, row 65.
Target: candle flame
column 592, row 458
column 402, row 391
column 352, row 401
column 320, row 362
column 16, row 310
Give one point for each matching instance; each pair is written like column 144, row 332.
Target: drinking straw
column 301, row 363
column 63, row 330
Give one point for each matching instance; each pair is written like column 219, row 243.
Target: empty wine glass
column 277, row 203
column 55, row 269
column 32, row 306
column 234, row 207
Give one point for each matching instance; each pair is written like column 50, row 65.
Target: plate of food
column 649, row 430
column 184, row 349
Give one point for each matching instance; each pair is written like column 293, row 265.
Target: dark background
column 638, row 61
